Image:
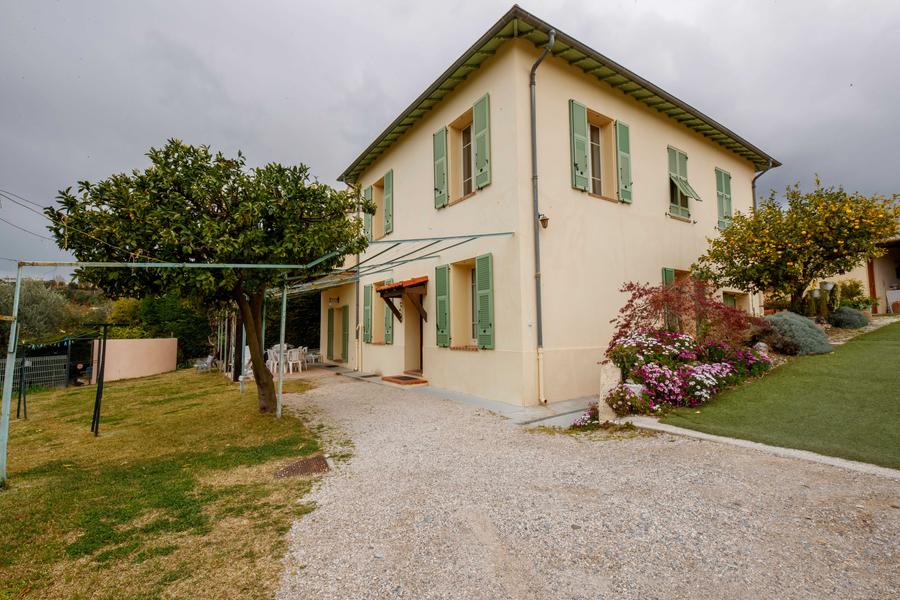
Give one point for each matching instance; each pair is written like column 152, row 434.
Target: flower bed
column 674, row 369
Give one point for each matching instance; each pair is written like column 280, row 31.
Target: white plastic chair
column 272, row 360
column 293, row 357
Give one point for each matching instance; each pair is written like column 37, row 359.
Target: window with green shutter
column 668, row 278
column 484, row 290
column 481, row 134
column 623, row 160
column 442, row 304
column 441, row 187
column 388, row 202
column 680, row 191
column 579, row 145
column 367, row 314
column 367, row 216
column 388, row 319
column 723, row 197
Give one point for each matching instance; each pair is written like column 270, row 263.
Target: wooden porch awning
column 396, row 289
column 408, row 289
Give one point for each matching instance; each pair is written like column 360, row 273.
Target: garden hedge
column 801, row 331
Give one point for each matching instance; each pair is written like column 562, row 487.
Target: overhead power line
column 11, row 224
column 6, row 194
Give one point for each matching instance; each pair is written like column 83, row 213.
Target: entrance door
column 345, row 333
column 412, row 334
column 329, row 354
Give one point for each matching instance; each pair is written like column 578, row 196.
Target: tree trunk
column 251, row 312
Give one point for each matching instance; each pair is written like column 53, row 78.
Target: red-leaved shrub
column 685, row 306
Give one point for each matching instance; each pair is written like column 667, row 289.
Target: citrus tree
column 783, row 249
column 193, row 206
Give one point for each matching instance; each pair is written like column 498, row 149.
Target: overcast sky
column 87, row 87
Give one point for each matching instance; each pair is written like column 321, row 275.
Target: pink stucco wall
column 129, row 358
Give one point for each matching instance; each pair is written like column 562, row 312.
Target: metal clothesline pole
column 8, row 377
column 281, row 351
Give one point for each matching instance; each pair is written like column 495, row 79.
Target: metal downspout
column 753, row 182
column 539, row 320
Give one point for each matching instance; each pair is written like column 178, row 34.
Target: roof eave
column 667, row 103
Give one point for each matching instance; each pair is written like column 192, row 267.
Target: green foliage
column 802, row 332
column 834, row 298
column 193, row 206
column 848, row 318
column 820, row 234
column 852, row 295
column 44, row 314
column 163, row 316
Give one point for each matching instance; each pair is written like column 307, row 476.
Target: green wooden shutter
column 580, row 147
column 345, row 331
column 367, row 314
column 329, row 342
column 388, row 202
column 442, row 304
column 726, row 180
column 481, row 136
column 388, row 320
column 668, row 275
column 720, row 198
column 441, row 193
column 367, row 217
column 623, row 159
column 484, row 291
column 668, row 278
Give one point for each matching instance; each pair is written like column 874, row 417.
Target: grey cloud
column 88, row 87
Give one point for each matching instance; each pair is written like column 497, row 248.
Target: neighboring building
column 632, row 183
column 880, row 276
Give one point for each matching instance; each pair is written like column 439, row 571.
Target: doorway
column 413, row 332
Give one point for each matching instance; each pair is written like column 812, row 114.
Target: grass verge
column 844, row 404
column 175, row 498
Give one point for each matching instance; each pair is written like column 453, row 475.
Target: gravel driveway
column 447, row 501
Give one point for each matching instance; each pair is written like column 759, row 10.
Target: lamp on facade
column 544, row 219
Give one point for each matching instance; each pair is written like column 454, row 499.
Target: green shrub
column 799, row 330
column 852, row 295
column 848, row 318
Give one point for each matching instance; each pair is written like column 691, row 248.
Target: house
column 631, row 182
column 880, row 276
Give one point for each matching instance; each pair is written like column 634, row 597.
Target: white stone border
column 852, row 465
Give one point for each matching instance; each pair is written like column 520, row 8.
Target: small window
column 602, row 142
column 680, row 191
column 466, row 159
column 729, row 300
column 596, row 164
column 463, row 309
column 462, row 157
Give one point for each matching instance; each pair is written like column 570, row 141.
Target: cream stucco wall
column 591, row 247
column 130, row 358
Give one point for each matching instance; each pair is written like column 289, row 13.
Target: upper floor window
column 601, row 153
column 462, row 155
column 680, row 191
column 466, row 161
column 381, row 193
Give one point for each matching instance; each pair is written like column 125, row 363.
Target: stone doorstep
column 405, row 380
column 653, row 424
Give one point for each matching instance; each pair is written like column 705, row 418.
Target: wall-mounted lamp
column 544, row 219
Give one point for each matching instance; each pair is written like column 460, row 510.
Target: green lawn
column 844, row 404
column 175, row 498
